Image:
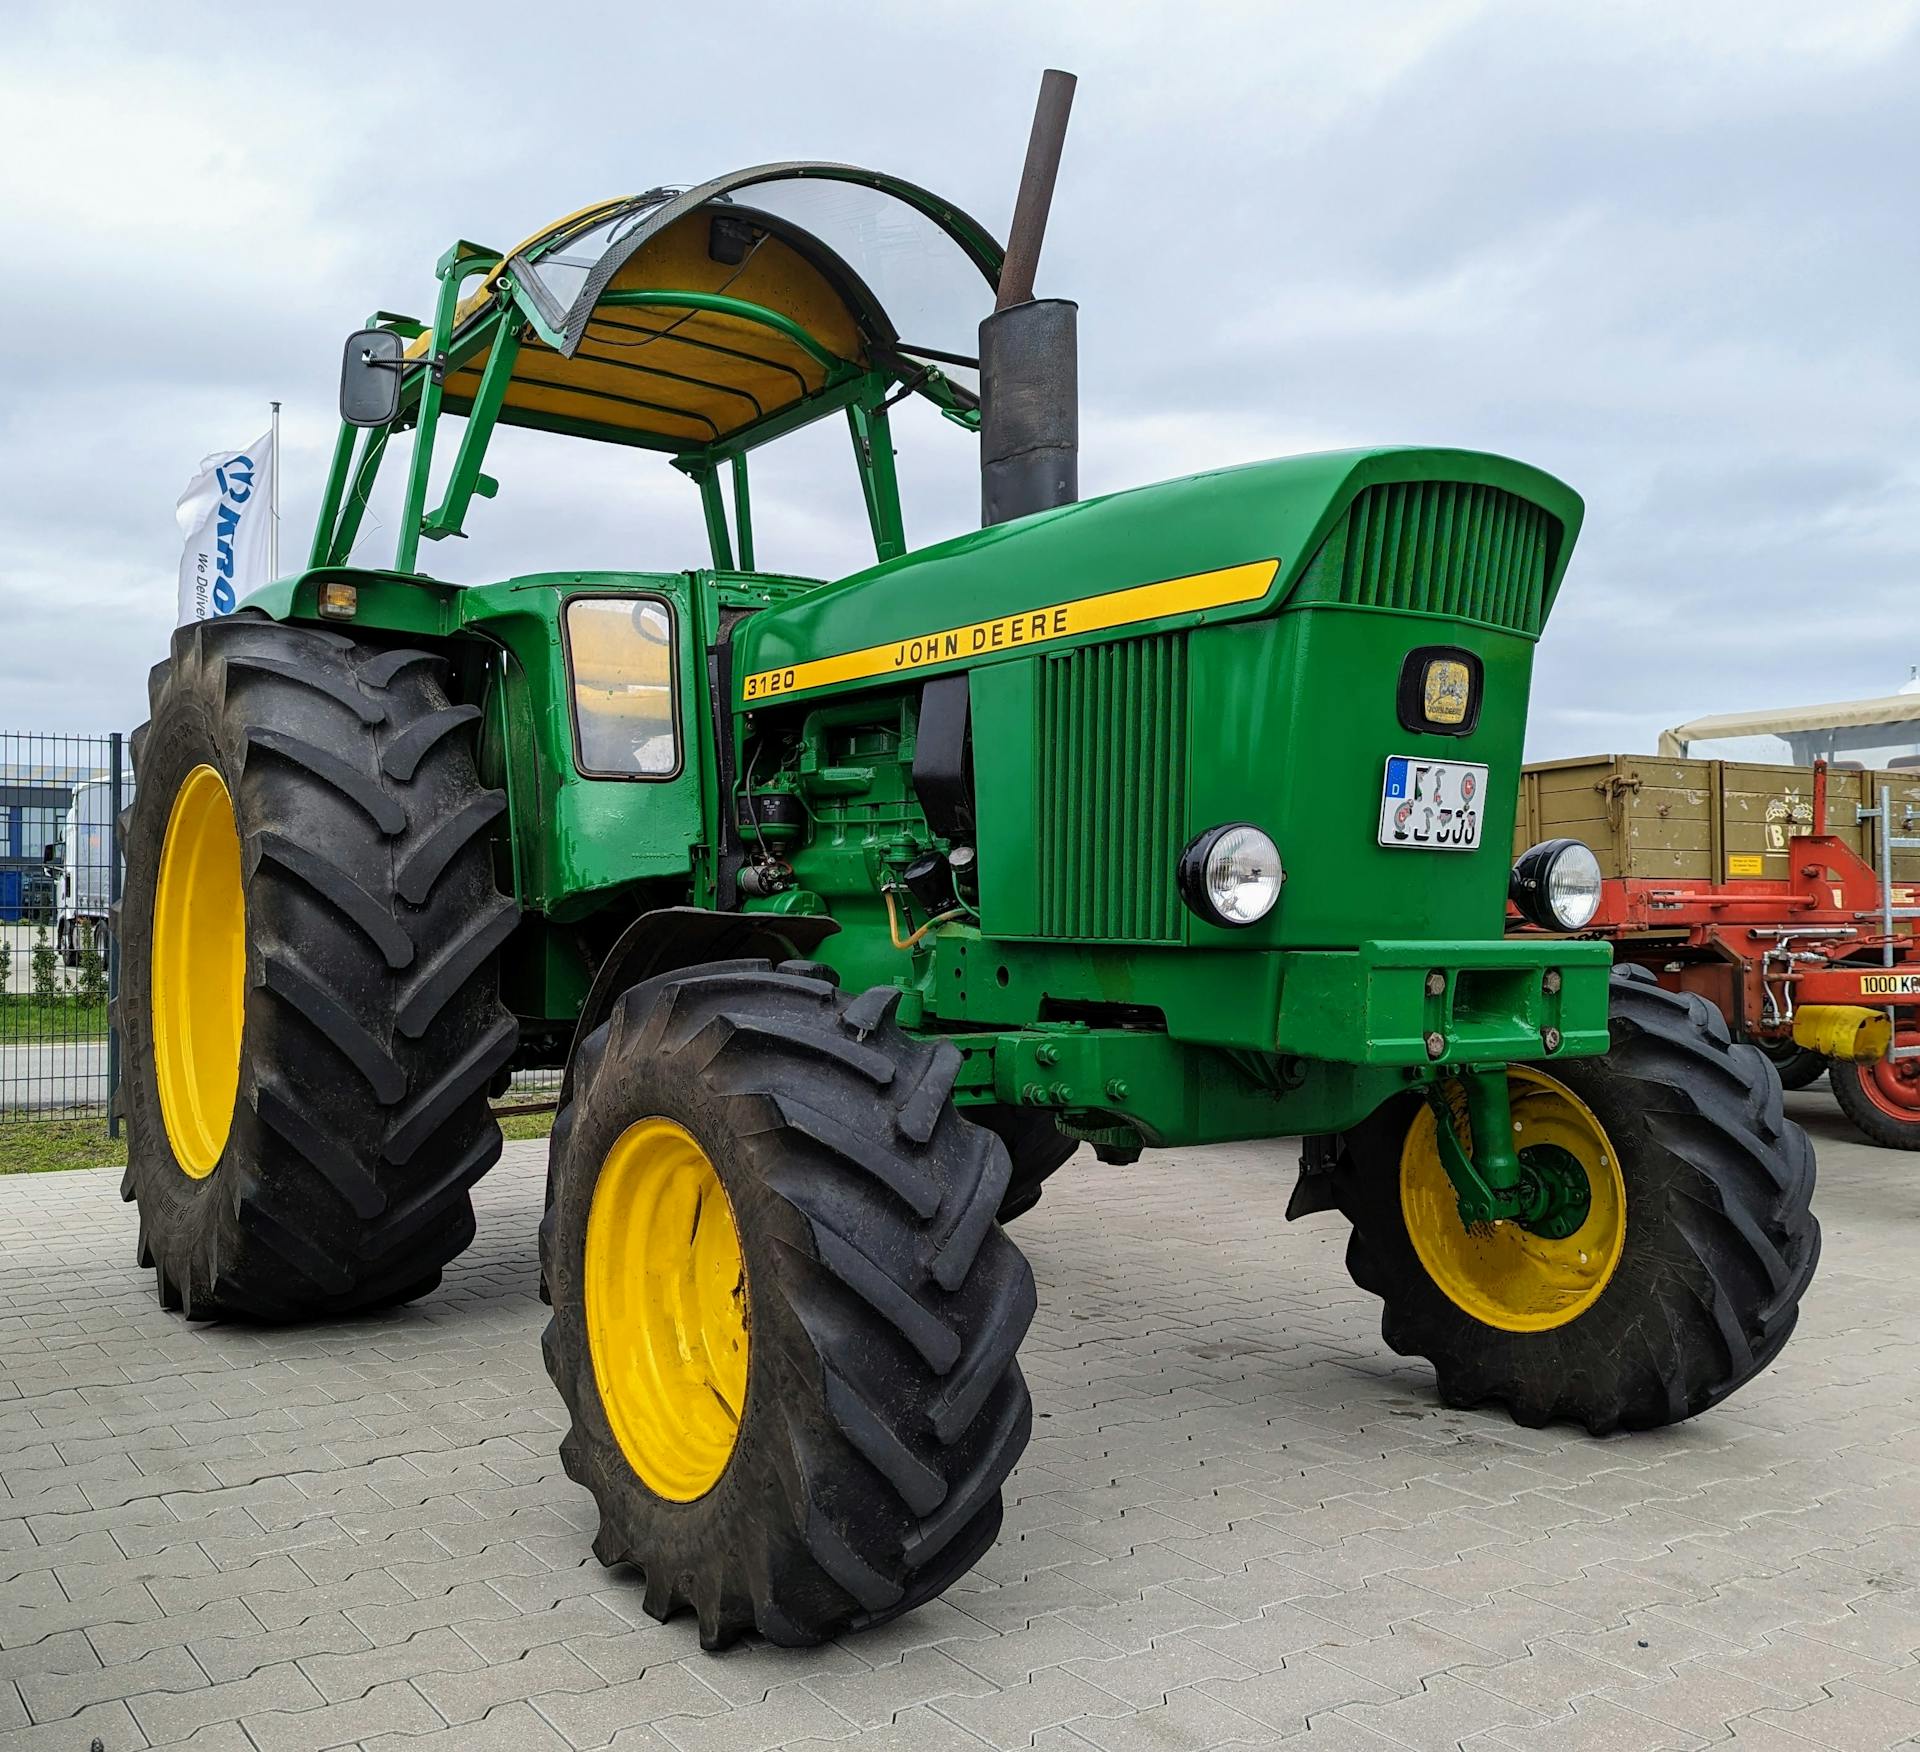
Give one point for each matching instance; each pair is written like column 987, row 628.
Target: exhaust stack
column 1029, row 347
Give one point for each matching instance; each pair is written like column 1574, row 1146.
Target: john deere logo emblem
column 1448, row 691
column 1439, row 690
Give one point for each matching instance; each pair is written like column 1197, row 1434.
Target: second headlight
column 1231, row 875
column 1556, row 885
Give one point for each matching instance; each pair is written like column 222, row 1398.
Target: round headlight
column 1231, row 875
column 1556, row 885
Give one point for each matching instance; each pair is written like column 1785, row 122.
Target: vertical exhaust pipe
column 1029, row 347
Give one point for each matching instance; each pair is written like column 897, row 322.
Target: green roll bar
column 864, row 394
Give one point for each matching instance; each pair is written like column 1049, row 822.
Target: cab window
column 620, row 659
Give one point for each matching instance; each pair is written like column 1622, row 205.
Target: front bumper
column 1352, row 1031
column 1393, row 1003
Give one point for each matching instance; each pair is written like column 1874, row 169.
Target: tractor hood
column 1452, row 533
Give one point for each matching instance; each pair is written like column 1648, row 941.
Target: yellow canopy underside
column 687, row 377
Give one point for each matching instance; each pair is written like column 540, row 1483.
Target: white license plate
column 1432, row 805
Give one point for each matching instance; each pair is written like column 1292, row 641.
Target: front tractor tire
column 308, row 1002
column 784, row 1319
column 1684, row 1277
column 1037, row 1148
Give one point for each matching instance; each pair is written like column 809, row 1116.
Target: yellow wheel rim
column 199, row 971
column 666, row 1293
column 1500, row 1273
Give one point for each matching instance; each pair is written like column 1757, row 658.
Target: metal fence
column 60, row 803
column 60, row 871
column 531, row 1092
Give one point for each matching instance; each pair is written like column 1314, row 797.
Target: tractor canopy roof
column 695, row 319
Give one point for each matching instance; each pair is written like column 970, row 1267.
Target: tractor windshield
column 924, row 271
column 933, row 293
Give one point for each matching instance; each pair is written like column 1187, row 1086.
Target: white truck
column 82, row 866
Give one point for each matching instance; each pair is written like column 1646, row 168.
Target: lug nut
column 1550, row 1039
column 1436, row 984
column 1550, row 982
column 1436, row 1044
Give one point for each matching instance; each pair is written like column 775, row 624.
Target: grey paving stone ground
column 1241, row 1521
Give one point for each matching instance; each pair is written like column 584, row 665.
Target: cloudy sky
column 1667, row 251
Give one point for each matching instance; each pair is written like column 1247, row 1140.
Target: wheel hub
column 1546, row 1264
column 1894, row 1083
column 666, row 1306
column 1554, row 1195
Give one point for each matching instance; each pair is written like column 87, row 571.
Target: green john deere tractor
column 854, row 909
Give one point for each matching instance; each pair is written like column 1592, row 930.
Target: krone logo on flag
column 224, row 515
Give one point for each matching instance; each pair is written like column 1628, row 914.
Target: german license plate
column 1432, row 805
column 1889, row 985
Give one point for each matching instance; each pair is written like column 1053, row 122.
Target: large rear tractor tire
column 309, row 997
column 784, row 1319
column 1685, row 1275
column 1882, row 1098
column 1037, row 1148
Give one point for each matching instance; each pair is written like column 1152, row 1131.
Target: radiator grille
column 1471, row 553
column 1113, row 778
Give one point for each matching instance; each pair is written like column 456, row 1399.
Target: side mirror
column 370, row 377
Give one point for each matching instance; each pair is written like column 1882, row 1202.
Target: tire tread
column 354, row 1141
column 884, row 1509
column 1723, row 1273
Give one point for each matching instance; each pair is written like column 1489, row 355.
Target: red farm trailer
column 1782, row 895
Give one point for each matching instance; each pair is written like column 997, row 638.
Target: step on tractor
column 854, row 909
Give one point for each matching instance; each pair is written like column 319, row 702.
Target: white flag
column 223, row 515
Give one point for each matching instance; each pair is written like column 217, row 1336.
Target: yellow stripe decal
column 1035, row 626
